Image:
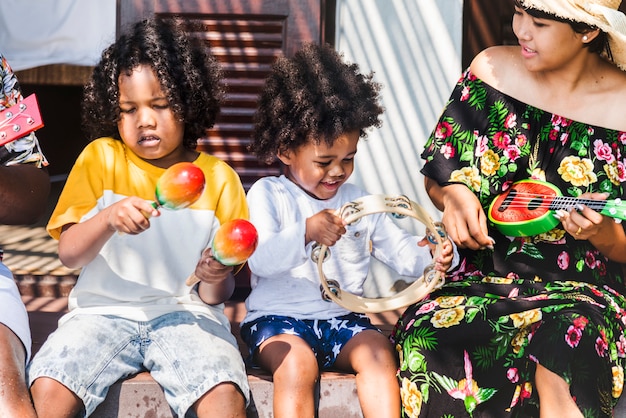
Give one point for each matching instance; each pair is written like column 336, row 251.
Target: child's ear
column 284, row 157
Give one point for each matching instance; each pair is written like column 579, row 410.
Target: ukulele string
column 523, row 200
column 8, row 120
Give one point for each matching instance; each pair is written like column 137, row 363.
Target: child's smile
column 319, row 169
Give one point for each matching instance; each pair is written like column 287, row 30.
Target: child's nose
column 337, row 170
column 146, row 118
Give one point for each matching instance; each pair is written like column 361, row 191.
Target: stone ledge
column 141, row 396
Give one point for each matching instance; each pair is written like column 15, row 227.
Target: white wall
column 414, row 49
column 41, row 32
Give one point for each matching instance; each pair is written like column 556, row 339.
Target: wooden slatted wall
column 246, row 49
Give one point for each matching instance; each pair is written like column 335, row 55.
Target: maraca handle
column 192, row 280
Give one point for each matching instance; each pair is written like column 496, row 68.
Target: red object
column 235, row 242
column 180, row 186
column 19, row 120
column 527, row 208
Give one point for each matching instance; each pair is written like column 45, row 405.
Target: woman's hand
column 584, row 223
column 463, row 215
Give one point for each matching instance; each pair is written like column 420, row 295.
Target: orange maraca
column 179, row 186
column 233, row 244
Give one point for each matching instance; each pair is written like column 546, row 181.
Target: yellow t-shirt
column 143, row 276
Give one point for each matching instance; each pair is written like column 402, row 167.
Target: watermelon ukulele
column 527, row 208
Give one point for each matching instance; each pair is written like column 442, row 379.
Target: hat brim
column 615, row 27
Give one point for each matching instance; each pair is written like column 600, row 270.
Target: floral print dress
column 471, row 348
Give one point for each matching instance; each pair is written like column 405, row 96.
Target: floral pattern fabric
column 471, row 348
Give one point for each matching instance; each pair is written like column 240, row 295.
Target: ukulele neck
column 613, row 208
column 567, row 203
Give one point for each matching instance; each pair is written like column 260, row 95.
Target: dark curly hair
column 189, row 76
column 313, row 96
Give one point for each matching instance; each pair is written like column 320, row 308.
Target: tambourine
column 399, row 207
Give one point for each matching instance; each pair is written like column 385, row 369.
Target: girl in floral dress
column 536, row 317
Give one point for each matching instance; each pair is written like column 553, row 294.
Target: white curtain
column 41, row 32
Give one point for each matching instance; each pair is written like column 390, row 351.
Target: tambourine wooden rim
column 400, row 206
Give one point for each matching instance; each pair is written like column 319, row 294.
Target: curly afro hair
column 189, row 76
column 313, row 96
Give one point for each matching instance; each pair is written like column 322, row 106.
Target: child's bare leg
column 224, row 400
column 555, row 399
column 370, row 355
column 295, row 371
column 52, row 399
column 15, row 398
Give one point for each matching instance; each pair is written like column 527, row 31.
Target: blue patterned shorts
column 325, row 336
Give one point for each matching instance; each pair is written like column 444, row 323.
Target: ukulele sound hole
column 507, row 200
column 534, row 203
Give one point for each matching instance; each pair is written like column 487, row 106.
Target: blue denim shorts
column 185, row 352
column 325, row 336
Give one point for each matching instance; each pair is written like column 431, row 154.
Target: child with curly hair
column 312, row 112
column 150, row 97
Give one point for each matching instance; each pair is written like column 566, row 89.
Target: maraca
column 233, row 244
column 179, row 186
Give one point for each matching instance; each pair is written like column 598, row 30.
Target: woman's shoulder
column 498, row 66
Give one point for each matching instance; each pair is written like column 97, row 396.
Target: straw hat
column 602, row 14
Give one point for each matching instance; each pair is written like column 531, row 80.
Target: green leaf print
column 498, row 113
column 514, row 247
column 477, row 97
column 424, row 338
column 467, row 156
column 463, row 141
column 606, row 186
column 470, row 314
column 531, row 250
column 414, row 361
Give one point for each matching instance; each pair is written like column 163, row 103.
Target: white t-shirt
column 285, row 280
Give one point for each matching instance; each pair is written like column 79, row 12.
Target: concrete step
column 141, row 397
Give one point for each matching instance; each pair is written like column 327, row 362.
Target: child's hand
column 324, row 227
column 444, row 261
column 211, row 271
column 130, row 215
